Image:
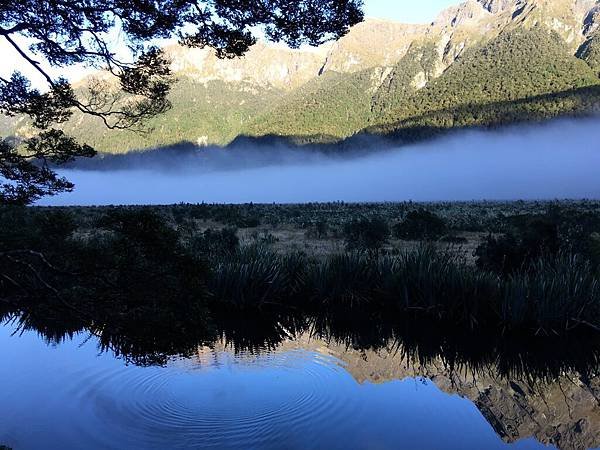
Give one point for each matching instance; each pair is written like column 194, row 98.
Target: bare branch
column 31, row 61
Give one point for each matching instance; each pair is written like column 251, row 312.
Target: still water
column 304, row 393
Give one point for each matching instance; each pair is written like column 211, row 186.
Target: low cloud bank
column 560, row 159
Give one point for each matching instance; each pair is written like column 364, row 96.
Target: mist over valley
column 555, row 160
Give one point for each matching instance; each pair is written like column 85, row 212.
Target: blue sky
column 410, row 11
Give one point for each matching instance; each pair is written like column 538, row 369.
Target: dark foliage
column 143, row 262
column 530, row 237
column 513, row 251
column 366, row 233
column 420, row 225
column 216, row 243
column 237, row 218
column 133, row 267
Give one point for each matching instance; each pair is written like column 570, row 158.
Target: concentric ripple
column 219, row 400
column 298, row 396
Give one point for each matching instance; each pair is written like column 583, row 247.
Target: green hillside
column 520, row 75
column 571, row 103
column 205, row 113
column 335, row 105
column 399, row 85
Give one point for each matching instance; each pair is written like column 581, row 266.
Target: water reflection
column 255, row 379
column 305, row 393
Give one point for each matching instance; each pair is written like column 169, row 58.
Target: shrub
column 40, row 230
column 136, row 264
column 530, row 239
column 420, row 225
column 500, row 254
column 216, row 243
column 319, row 229
column 366, row 234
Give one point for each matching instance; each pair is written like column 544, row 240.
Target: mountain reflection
column 520, row 398
column 546, row 388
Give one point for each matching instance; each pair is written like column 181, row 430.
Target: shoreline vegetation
column 521, row 270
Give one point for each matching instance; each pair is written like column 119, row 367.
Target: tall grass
column 438, row 282
column 554, row 295
column 250, row 276
column 255, row 275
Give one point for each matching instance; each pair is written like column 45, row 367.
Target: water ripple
column 189, row 402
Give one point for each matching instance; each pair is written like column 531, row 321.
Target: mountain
column 561, row 411
column 479, row 63
column 519, row 75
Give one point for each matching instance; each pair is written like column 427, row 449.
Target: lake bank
column 472, row 325
column 534, row 273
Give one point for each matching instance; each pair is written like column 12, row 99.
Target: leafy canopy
column 61, row 33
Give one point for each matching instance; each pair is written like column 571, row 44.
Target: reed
column 554, row 295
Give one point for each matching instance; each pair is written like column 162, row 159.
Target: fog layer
column 558, row 160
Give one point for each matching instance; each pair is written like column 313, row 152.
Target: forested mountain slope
column 520, row 75
column 480, row 63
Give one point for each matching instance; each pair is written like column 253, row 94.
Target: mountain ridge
column 374, row 77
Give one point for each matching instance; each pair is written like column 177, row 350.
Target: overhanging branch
column 30, row 60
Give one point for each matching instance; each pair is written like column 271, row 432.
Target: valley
column 479, row 64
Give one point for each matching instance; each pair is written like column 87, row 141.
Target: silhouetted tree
column 61, row 33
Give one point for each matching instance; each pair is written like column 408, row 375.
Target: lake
column 303, row 393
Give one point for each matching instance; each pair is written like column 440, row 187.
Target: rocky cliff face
column 564, row 412
column 591, row 20
column 371, row 44
column 265, row 65
column 382, row 44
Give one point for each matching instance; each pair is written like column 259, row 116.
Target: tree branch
column 31, row 61
column 16, row 29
